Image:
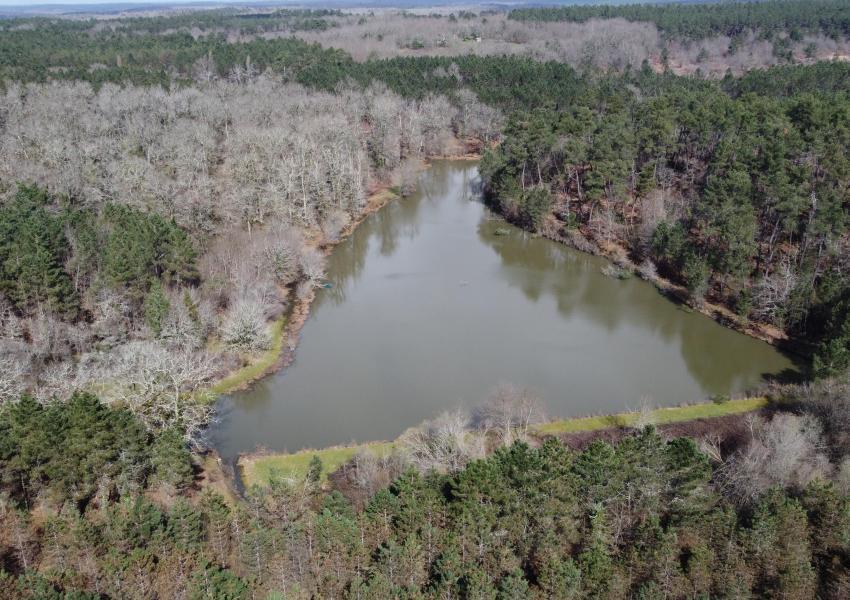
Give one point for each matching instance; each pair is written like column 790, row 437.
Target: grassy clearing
column 258, row 366
column 658, row 416
column 259, row 469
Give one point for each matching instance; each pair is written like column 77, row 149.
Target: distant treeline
column 41, row 50
column 247, row 23
column 59, row 51
column 698, row 20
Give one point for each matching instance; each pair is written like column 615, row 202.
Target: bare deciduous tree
column 786, row 451
column 244, row 327
column 12, row 373
column 477, row 120
column 772, row 292
column 444, row 444
column 644, row 415
column 157, row 384
column 647, row 270
column 313, row 265
column 509, row 411
column 205, row 68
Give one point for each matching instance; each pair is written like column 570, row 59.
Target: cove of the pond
column 434, row 301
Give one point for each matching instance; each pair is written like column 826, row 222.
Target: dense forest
column 169, row 187
column 740, row 195
column 703, row 19
column 191, row 45
column 762, row 512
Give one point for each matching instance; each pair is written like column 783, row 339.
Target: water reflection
column 430, row 308
column 712, row 355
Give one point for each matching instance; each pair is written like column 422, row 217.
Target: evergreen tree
column 171, row 461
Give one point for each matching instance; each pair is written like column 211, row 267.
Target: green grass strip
column 259, row 469
column 659, row 416
column 257, row 367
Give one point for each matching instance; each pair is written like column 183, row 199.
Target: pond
column 434, row 302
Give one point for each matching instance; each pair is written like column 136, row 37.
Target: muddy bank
column 301, row 305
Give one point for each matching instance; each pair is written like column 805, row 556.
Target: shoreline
column 617, row 255
column 258, row 467
column 287, row 328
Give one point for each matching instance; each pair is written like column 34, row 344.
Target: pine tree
column 156, row 308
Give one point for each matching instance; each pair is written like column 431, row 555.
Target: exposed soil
column 619, row 255
column 731, row 430
column 214, row 474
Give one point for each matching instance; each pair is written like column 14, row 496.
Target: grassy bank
column 659, row 416
column 257, row 469
column 261, row 365
column 258, row 366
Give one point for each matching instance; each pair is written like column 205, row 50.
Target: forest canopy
column 647, row 516
column 699, row 20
